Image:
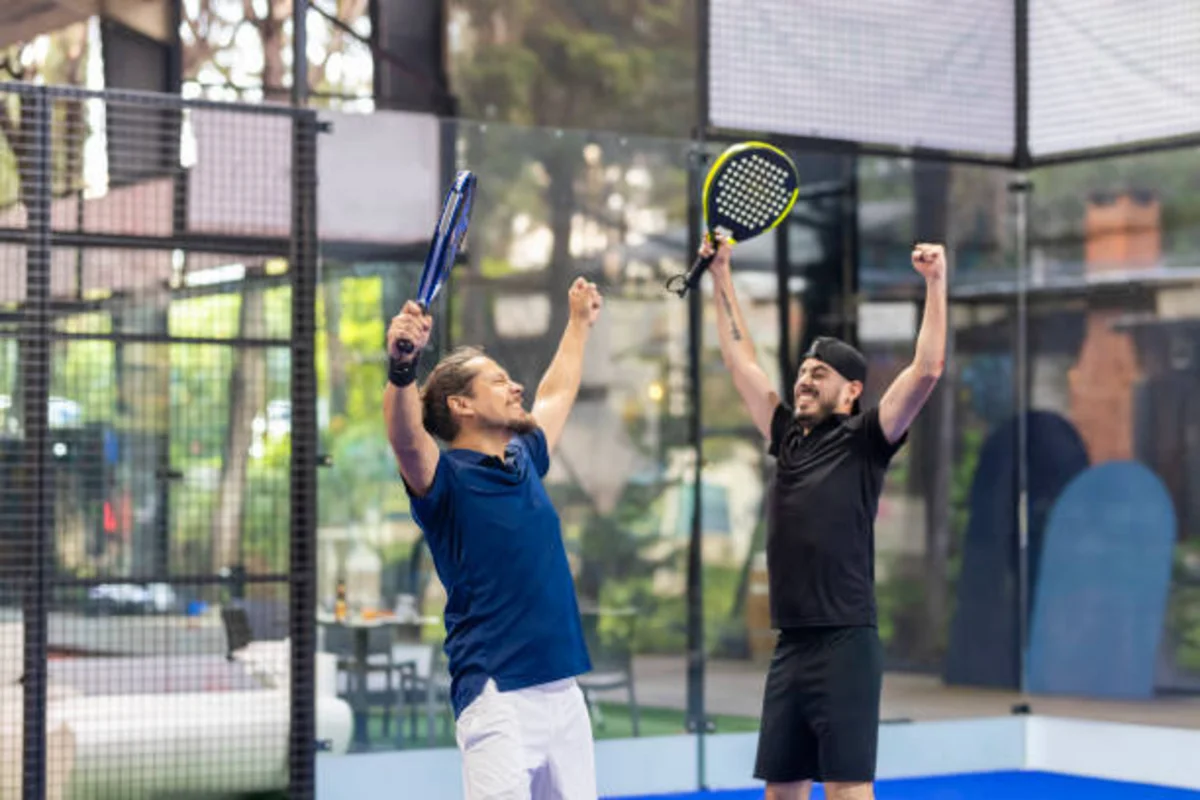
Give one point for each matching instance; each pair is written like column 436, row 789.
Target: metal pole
column 697, row 718
column 35, row 375
column 1020, row 189
column 695, row 564
column 783, row 274
column 299, row 54
column 1021, row 155
column 303, row 485
column 848, row 317
column 303, row 257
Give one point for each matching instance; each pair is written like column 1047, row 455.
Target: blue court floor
column 985, row 786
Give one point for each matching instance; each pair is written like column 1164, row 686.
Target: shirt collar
column 476, row 458
column 828, row 424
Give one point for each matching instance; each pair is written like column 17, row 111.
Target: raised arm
column 737, row 351
column 905, row 398
column 560, row 385
column 416, row 451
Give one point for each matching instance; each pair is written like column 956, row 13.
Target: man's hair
column 450, row 377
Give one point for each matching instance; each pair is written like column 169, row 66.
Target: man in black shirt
column 820, row 719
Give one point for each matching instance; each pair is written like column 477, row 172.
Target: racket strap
column 402, row 373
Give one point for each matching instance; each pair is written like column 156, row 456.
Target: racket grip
column 692, row 278
column 404, row 345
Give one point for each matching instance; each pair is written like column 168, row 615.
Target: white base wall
column 1114, row 751
column 664, row 765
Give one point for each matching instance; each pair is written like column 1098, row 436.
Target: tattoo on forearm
column 733, row 328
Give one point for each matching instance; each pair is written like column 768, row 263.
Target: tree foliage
column 612, row 65
column 566, row 105
column 241, row 48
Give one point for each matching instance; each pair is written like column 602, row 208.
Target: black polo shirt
column 821, row 518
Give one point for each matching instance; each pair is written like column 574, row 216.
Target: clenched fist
column 722, row 251
column 585, row 301
column 929, row 260
column 410, row 325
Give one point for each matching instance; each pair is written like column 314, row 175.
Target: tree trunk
column 270, row 30
column 335, row 351
column 248, row 385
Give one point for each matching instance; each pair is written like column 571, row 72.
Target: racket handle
column 682, row 284
column 404, row 345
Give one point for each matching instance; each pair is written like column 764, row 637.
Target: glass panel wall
column 963, row 612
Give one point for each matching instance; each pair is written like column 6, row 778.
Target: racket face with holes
column 447, row 238
column 750, row 188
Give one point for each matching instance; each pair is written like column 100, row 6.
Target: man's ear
column 856, row 390
column 458, row 404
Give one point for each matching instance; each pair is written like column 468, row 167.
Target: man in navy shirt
column 514, row 641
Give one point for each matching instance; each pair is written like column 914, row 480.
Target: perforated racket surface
column 750, row 189
column 447, row 238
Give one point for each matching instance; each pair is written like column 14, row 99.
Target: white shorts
column 527, row 744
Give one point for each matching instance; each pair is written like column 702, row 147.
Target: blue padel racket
column 447, row 237
column 750, row 189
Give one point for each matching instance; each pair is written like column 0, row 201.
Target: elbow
column 929, row 371
column 734, row 354
column 405, row 451
column 399, row 445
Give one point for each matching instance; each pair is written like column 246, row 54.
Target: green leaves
column 555, row 63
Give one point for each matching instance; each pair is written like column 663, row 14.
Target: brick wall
column 1101, row 386
column 1122, row 233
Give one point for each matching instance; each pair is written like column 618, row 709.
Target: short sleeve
column 535, row 445
column 430, row 510
column 880, row 448
column 781, row 422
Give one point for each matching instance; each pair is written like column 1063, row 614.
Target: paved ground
column 735, row 687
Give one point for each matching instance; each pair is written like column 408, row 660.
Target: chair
column 237, row 629
column 362, row 688
column 428, row 689
column 612, row 663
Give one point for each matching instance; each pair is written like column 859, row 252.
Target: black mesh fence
column 154, row 502
column 158, row 434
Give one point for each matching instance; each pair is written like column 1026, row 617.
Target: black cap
column 844, row 358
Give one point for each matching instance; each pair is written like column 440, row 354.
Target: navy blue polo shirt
column 511, row 613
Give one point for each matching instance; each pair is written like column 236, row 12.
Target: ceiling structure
column 23, row 20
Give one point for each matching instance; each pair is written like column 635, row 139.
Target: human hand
column 585, row 301
column 722, row 249
column 413, row 325
column 929, row 260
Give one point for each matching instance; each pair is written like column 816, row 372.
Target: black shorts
column 820, row 718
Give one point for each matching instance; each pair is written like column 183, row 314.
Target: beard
column 522, row 425
column 514, row 423
column 822, row 411
column 514, row 420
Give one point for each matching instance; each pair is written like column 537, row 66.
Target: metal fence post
column 303, row 546
column 35, row 375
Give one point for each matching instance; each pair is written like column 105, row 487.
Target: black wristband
column 402, row 373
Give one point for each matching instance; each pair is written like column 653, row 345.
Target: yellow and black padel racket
column 750, row 188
